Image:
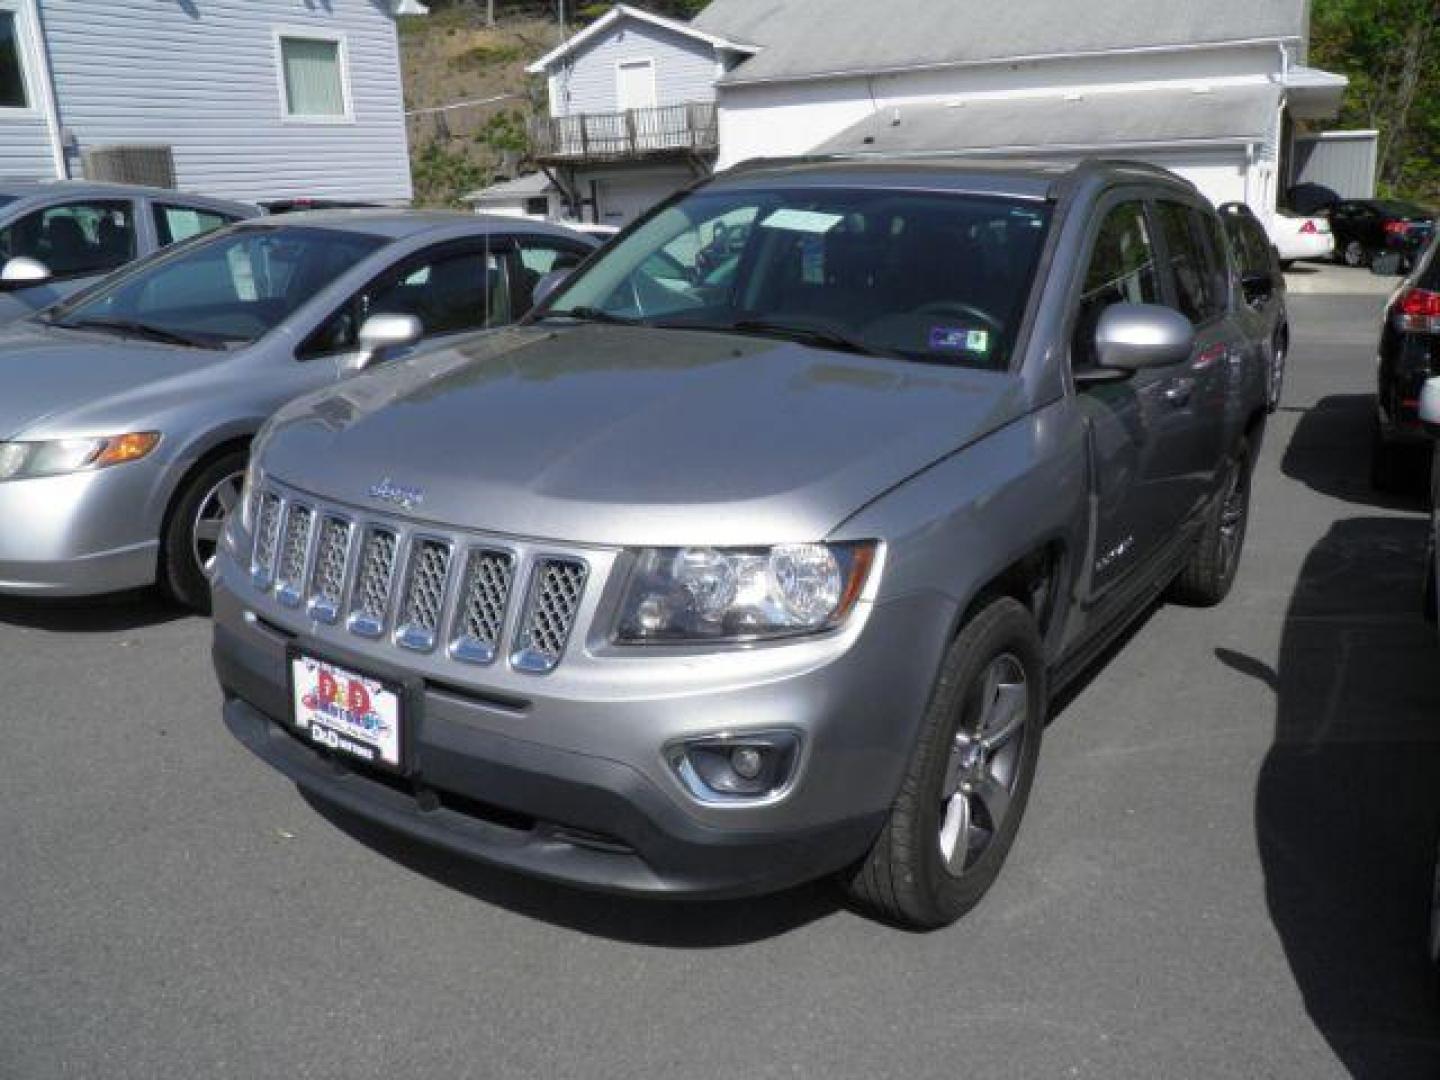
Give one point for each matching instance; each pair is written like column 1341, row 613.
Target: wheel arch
column 200, row 459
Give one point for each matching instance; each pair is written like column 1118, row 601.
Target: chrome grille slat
column 370, row 601
column 553, row 601
column 484, row 597
column 327, row 579
column 423, row 602
column 293, row 552
column 267, row 540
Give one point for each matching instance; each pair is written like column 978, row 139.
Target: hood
column 625, row 435
column 46, row 373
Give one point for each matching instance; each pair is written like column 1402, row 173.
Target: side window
column 449, row 292
column 539, row 257
column 1122, row 270
column 76, row 239
column 1192, row 266
column 176, row 223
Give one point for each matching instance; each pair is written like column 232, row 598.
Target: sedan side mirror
column 546, row 286
column 381, row 335
column 1430, row 406
column 1136, row 336
column 22, row 272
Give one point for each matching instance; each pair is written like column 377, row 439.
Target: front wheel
column 969, row 777
column 1354, row 254
column 1207, row 578
column 1277, row 369
column 192, row 531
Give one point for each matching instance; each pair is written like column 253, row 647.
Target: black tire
column 906, row 878
column 182, row 575
column 1279, row 356
column 1207, row 578
column 1387, row 464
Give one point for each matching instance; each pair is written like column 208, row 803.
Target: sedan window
column 228, row 289
column 176, row 223
column 75, row 239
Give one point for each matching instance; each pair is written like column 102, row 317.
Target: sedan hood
column 620, row 436
column 46, row 373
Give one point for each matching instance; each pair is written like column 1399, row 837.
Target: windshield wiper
column 140, row 329
column 818, row 336
column 593, row 314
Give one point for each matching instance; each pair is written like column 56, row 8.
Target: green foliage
column 505, row 131
column 483, row 56
column 443, row 177
column 1390, row 50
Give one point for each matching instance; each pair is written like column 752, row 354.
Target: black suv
column 1409, row 354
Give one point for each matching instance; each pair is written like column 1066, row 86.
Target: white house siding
column 25, row 149
column 586, row 81
column 202, row 76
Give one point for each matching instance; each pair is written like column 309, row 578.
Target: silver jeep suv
column 759, row 551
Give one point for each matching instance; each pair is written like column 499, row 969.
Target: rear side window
column 1122, row 270
column 1250, row 244
column 1195, row 271
column 176, row 223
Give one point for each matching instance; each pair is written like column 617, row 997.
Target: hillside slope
column 451, row 57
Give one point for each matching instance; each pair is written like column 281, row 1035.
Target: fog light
column 747, row 762
column 749, row 767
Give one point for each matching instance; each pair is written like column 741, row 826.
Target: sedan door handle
column 1178, row 392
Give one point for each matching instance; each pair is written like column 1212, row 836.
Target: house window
column 12, row 70
column 313, row 72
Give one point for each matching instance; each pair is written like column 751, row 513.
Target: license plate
column 347, row 712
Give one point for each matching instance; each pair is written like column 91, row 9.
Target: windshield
column 1395, row 208
column 931, row 277
column 226, row 290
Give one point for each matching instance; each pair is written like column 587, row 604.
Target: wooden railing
column 623, row 136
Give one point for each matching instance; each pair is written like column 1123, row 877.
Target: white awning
column 1313, row 94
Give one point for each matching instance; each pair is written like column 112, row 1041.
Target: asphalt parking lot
column 1224, row 870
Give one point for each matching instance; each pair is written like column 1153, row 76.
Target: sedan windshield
column 931, row 277
column 227, row 290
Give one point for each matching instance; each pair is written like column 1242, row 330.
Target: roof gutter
column 950, row 65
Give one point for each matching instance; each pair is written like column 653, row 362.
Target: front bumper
column 84, row 534
column 574, row 787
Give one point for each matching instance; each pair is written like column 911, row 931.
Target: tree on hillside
column 1390, row 50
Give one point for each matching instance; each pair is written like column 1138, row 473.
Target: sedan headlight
column 56, row 457
column 683, row 595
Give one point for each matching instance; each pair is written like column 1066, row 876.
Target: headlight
column 680, row 595
column 28, row 460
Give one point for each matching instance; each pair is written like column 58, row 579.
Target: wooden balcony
column 637, row 135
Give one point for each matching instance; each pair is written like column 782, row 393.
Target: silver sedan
column 127, row 411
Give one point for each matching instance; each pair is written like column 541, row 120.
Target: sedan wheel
column 210, row 518
column 1354, row 254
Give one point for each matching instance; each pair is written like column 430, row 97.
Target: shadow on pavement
column 1330, row 453
column 1348, row 799
column 90, row 615
column 671, row 924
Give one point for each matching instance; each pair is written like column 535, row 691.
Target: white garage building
column 1217, row 91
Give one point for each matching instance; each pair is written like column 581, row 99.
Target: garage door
column 620, row 201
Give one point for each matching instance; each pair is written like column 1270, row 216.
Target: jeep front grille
column 484, row 597
column 294, row 547
column 423, row 588
column 424, row 599
column 370, row 603
column 550, row 609
column 327, row 580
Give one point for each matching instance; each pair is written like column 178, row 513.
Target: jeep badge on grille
column 407, row 498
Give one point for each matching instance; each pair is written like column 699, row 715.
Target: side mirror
column 546, row 286
column 1257, row 287
column 1135, row 336
column 383, row 334
column 22, row 272
column 1430, row 406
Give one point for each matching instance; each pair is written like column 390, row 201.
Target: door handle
column 1179, row 391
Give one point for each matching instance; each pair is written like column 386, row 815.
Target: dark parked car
column 1262, row 287
column 1409, row 354
column 1365, row 228
column 698, row 586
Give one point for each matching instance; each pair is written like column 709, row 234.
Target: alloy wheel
column 210, row 517
column 1354, row 254
column 1232, row 518
column 1277, row 374
column 983, row 767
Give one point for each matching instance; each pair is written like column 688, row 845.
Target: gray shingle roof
column 802, row 38
column 1054, row 122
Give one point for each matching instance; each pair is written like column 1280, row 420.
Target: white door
column 635, row 85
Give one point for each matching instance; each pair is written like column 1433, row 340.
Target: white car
column 1300, row 236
